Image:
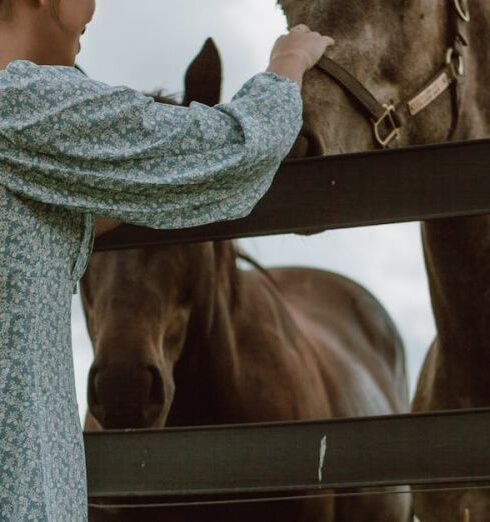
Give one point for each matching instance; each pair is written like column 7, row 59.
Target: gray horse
column 394, row 48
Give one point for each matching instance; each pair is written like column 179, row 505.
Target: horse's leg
column 455, row 373
column 457, row 253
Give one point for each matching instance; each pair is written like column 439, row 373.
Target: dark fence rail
column 429, row 448
column 352, row 190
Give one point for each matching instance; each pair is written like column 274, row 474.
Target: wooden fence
column 440, row 449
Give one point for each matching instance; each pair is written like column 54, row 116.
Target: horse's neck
column 227, row 277
column 213, row 363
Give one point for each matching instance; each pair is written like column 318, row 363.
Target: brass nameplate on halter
column 428, row 95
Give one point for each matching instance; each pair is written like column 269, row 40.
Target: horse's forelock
column 227, row 276
column 161, row 96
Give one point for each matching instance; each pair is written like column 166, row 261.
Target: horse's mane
column 251, row 261
column 227, row 254
column 161, row 96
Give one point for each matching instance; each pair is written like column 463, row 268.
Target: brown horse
column 394, row 47
column 182, row 337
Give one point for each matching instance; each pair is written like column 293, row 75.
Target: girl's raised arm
column 71, row 141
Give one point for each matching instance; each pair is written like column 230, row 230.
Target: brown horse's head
column 142, row 306
column 154, row 315
column 394, row 48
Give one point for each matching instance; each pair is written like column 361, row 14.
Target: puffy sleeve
column 71, row 141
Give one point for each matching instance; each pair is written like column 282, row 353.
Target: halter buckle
column 451, row 55
column 387, row 121
column 463, row 9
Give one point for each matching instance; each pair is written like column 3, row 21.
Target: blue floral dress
column 72, row 148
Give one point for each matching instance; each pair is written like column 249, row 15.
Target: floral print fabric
column 72, row 148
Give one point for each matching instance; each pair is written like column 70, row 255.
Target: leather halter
column 387, row 119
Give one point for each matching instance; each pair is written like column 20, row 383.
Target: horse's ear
column 203, row 76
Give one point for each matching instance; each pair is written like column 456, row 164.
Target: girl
column 75, row 153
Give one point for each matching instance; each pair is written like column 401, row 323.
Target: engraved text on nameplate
column 428, row 95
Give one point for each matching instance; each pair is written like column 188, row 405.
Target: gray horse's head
column 394, row 48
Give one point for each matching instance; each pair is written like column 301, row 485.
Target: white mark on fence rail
column 323, row 454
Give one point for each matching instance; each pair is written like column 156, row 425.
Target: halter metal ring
column 388, row 121
column 450, row 56
column 463, row 9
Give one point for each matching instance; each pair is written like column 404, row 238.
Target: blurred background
column 147, row 45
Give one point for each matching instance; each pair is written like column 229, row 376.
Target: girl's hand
column 301, row 44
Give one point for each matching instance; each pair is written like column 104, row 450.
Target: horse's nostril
column 91, row 393
column 94, row 405
column 126, row 396
column 156, row 397
column 156, row 391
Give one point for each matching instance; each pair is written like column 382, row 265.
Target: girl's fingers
column 302, row 28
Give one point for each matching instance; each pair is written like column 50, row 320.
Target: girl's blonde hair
column 6, row 7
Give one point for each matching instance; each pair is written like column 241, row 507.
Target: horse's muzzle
column 125, row 396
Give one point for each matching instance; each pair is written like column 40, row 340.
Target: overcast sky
column 148, row 45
